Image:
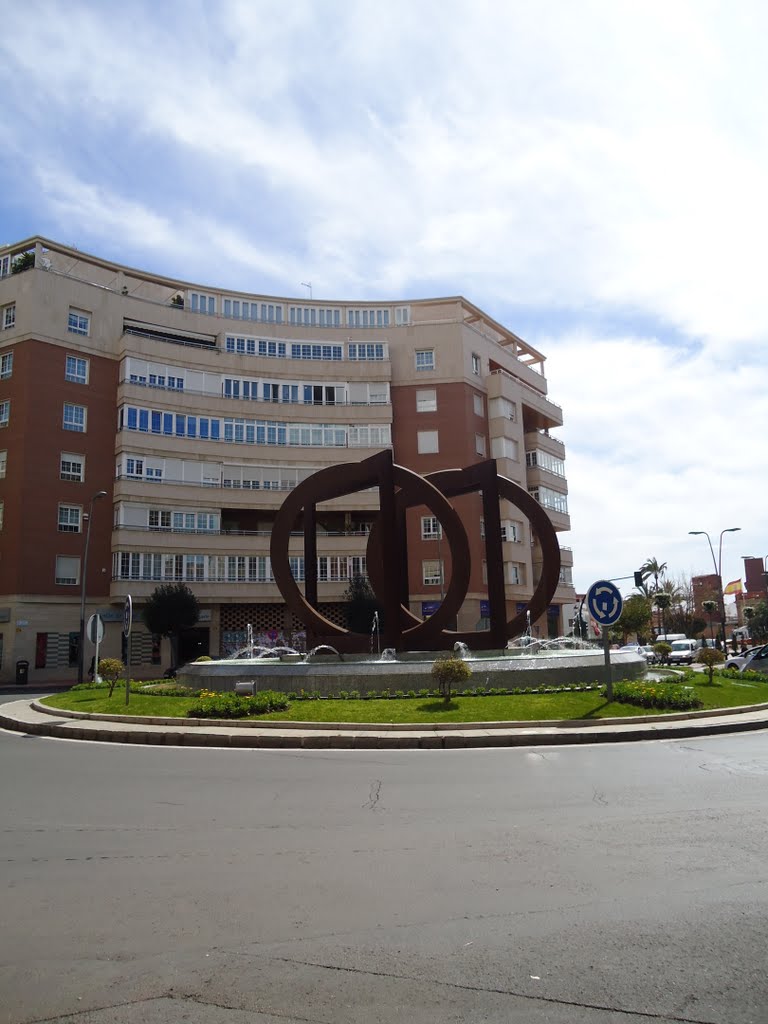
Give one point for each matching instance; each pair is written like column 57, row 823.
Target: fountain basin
column 326, row 675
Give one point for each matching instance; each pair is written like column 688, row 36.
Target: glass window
column 477, row 401
column 427, row 442
column 76, row 370
column 79, row 322
column 74, row 418
column 432, row 572
column 425, row 359
column 9, row 316
column 476, row 364
column 480, row 444
column 6, row 365
column 67, row 570
column 72, row 467
column 430, row 528
column 3, row 464
column 70, row 518
column 5, row 413
column 426, row 401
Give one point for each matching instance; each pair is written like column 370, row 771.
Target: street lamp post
column 81, row 650
column 718, row 568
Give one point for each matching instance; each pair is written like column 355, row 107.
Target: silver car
column 757, row 661
column 738, row 661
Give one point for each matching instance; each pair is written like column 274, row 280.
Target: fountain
column 526, row 663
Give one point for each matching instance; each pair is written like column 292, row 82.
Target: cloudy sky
column 593, row 174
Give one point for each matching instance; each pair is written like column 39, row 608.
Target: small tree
column 24, row 262
column 449, row 672
column 749, row 614
column 361, row 605
column 662, row 651
column 710, row 657
column 171, row 608
column 110, row 669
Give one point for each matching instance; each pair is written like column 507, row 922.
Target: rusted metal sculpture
column 387, row 558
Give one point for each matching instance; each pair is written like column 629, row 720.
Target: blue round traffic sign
column 604, row 602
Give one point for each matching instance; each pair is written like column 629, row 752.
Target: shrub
column 233, row 705
column 203, row 657
column 662, row 651
column 657, row 695
column 449, row 672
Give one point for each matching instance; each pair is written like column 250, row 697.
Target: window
column 476, row 364
column 425, row 359
column 543, row 460
column 402, row 315
column 504, row 448
column 430, row 528
column 432, row 572
column 79, row 322
column 9, row 316
column 513, row 573
column 504, row 408
column 200, row 303
column 480, row 444
column 76, row 370
column 550, row 499
column 70, row 518
column 427, row 442
column 426, row 401
column 2, row 513
column 159, row 520
column 477, row 401
column 510, row 531
column 72, row 467
column 5, row 413
column 67, row 570
column 3, row 464
column 6, row 365
column 74, row 417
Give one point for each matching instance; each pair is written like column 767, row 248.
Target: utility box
column 22, row 672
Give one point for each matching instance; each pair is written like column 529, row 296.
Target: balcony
column 538, row 412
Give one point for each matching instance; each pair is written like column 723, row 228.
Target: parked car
column 683, row 652
column 738, row 661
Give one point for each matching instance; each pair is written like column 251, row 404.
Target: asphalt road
column 567, row 885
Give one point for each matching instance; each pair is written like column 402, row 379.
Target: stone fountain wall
column 328, row 675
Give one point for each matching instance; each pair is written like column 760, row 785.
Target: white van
column 668, row 638
column 683, row 651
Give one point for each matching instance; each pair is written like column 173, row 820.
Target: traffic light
column 638, row 579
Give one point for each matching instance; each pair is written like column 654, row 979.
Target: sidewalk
column 28, row 716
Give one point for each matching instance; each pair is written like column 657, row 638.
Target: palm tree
column 652, row 567
column 710, row 607
column 662, row 600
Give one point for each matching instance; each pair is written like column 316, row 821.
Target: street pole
column 83, row 584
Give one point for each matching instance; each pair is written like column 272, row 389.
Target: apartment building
column 196, row 409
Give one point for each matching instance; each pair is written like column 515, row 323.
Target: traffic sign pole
column 605, row 605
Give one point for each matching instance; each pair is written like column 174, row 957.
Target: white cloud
column 575, row 164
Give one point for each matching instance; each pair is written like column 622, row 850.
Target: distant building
column 198, row 408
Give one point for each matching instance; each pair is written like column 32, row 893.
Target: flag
column 734, row 588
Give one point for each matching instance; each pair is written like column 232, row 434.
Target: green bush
column 233, row 705
column 203, row 657
column 111, row 669
column 657, row 695
column 448, row 673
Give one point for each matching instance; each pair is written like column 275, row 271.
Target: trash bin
column 22, row 672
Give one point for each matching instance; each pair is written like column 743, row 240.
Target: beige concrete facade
column 197, row 409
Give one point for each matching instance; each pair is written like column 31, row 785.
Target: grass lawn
column 724, row 692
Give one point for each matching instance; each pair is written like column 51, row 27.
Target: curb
column 25, row 717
